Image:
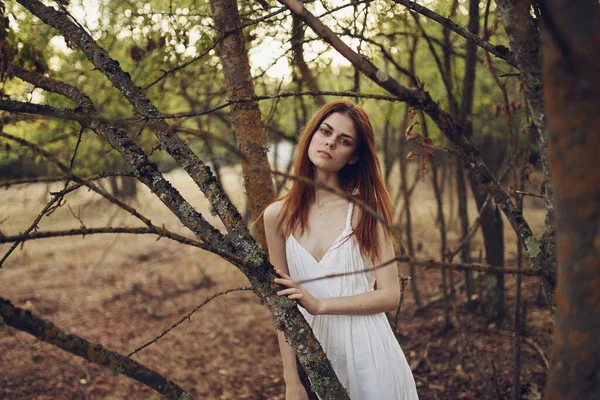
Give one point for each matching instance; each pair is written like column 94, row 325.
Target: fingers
column 285, row 292
column 293, row 292
column 282, row 274
column 285, row 282
column 285, row 279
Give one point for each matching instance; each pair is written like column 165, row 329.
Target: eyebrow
column 343, row 134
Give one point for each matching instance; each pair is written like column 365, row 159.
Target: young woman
column 311, row 233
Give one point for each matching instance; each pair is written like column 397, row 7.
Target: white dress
column 362, row 348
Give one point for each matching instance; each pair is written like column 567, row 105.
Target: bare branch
column 434, row 264
column 50, row 157
column 188, row 316
column 70, row 114
column 499, row 51
column 185, row 64
column 48, row 332
column 52, row 85
column 145, row 171
column 152, row 230
column 38, row 109
column 173, row 144
column 528, row 194
column 49, row 179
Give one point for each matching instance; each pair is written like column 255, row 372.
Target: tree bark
column 96, row 353
column 245, row 116
column 525, row 42
column 443, row 236
column 298, row 29
column 493, row 236
column 572, row 100
column 493, row 233
column 463, row 216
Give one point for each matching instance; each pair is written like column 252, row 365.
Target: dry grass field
column 121, row 291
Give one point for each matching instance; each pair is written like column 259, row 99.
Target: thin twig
column 188, row 316
column 154, row 230
column 528, row 193
column 499, row 51
column 185, row 64
column 433, row 264
column 404, row 281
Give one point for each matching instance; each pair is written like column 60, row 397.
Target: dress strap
column 349, row 216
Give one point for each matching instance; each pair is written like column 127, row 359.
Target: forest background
column 173, row 97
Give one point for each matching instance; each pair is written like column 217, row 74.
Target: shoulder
column 272, row 211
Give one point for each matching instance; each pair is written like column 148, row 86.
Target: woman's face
column 334, row 143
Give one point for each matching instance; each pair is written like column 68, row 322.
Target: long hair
column 364, row 177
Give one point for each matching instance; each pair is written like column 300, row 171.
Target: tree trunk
column 524, row 39
column 245, row 116
column 113, row 182
column 306, row 74
column 465, row 118
column 465, row 252
column 442, row 222
column 493, row 237
column 572, row 99
column 128, row 187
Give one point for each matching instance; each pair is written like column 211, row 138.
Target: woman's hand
column 295, row 392
column 297, row 292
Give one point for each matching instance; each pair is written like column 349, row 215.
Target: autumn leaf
column 411, row 112
column 429, row 146
column 424, row 160
column 410, row 128
column 413, row 136
column 411, row 155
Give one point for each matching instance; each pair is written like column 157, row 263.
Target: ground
column 121, row 291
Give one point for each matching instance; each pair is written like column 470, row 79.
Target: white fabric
column 362, row 348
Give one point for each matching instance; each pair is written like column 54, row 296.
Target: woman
column 311, row 233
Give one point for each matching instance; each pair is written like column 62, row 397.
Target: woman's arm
column 384, row 298
column 276, row 246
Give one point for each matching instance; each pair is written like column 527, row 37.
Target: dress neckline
column 347, row 227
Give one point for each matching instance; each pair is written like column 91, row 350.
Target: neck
column 330, row 179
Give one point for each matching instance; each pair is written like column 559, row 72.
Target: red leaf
column 411, row 155
column 429, row 148
column 424, row 160
column 412, row 125
column 413, row 136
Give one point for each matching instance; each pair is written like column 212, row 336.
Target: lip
column 325, row 153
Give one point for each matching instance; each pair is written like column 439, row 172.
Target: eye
column 325, row 131
column 345, row 142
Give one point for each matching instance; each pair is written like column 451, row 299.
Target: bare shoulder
column 272, row 214
column 272, row 211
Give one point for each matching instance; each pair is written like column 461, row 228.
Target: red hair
column 364, row 175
